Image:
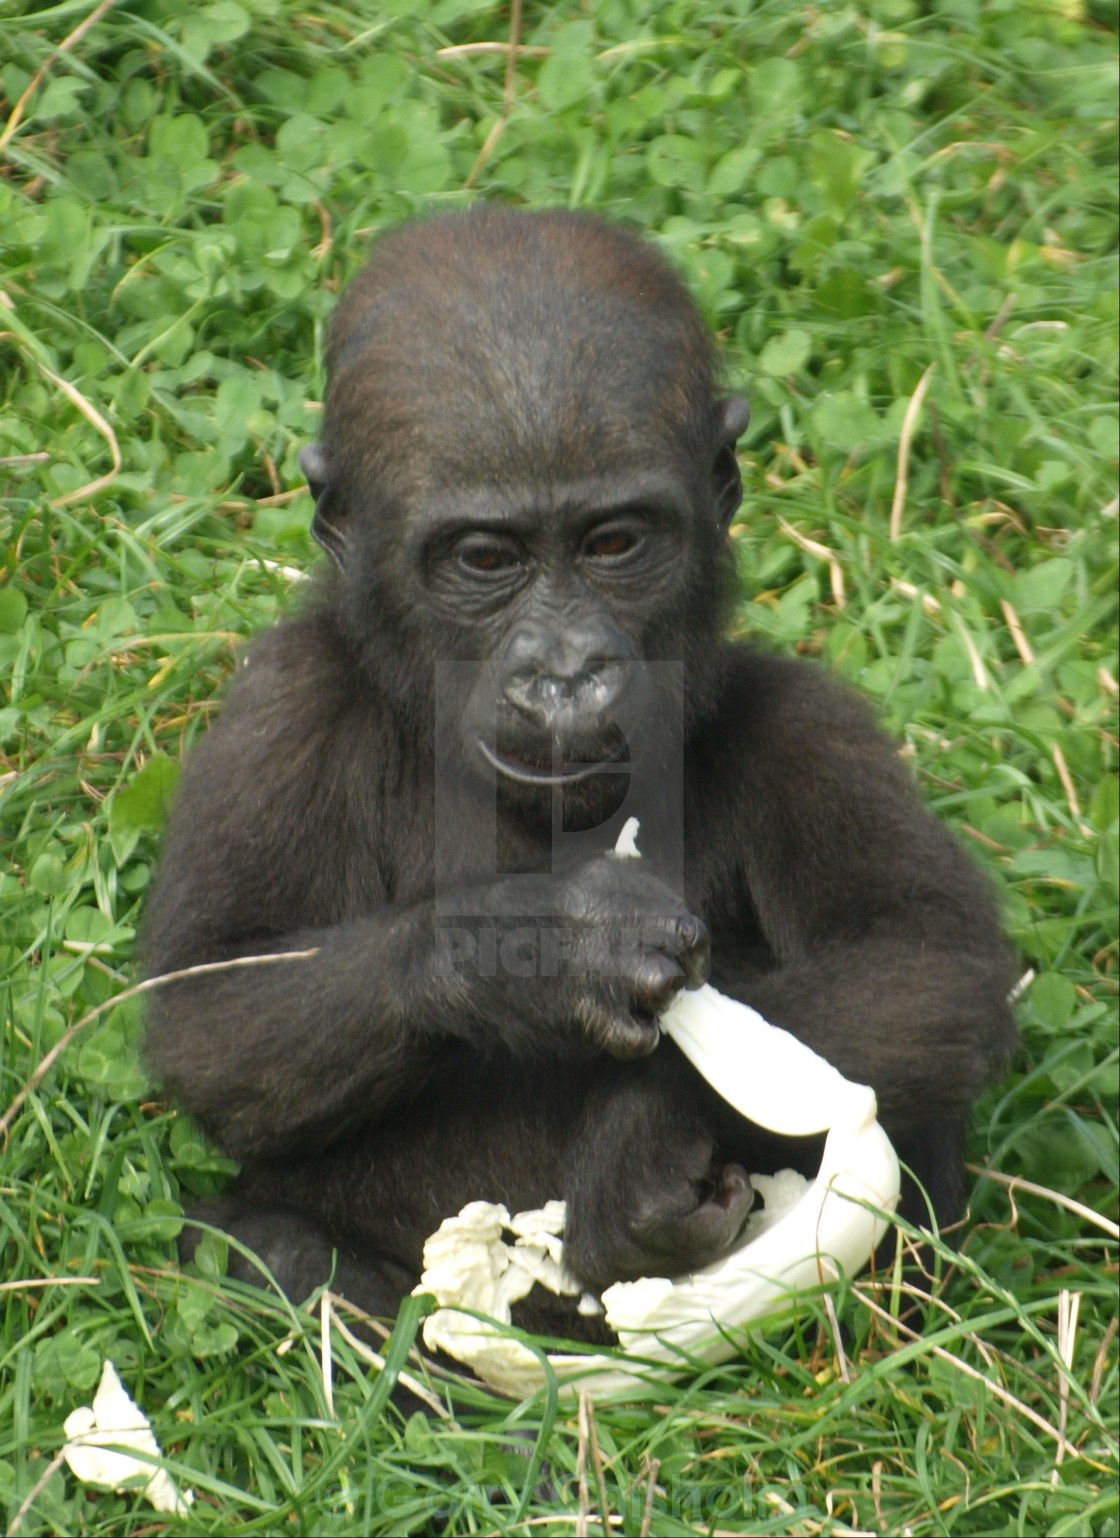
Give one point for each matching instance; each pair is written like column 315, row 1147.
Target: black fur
column 526, row 463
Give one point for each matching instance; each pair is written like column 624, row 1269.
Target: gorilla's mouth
column 530, row 770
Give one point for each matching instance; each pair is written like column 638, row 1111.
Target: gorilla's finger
column 655, row 981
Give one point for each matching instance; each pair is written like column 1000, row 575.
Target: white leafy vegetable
column 467, row 1261
column 809, row 1232
column 115, row 1422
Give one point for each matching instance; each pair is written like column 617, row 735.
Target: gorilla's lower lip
column 564, row 772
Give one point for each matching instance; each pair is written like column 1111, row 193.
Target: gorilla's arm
column 262, row 856
column 289, row 1056
column 883, row 951
column 295, row 829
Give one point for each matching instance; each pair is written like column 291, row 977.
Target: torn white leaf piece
column 626, row 845
column 780, row 1194
column 114, row 1422
column 769, row 1076
column 469, row 1262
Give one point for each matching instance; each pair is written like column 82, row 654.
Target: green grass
column 858, row 193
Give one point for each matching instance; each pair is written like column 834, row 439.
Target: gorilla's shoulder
column 298, row 713
column 303, row 662
column 765, row 692
column 788, row 722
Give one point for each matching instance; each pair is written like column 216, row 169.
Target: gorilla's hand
column 608, row 947
column 649, row 1192
column 633, row 945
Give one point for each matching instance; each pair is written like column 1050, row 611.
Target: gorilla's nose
column 566, row 682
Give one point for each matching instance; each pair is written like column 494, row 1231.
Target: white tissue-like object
column 114, row 1421
column 467, row 1261
column 808, row 1233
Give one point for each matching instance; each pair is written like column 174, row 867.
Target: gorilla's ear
column 729, row 421
column 326, row 525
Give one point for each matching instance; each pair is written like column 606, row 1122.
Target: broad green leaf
column 64, row 1363
column 776, row 88
column 141, row 806
column 675, row 160
column 13, row 609
column 211, row 1255
column 1105, row 809
column 214, row 1340
column 61, row 97
column 48, row 875
column 160, row 1221
column 115, row 616
column 180, row 139
column 567, row 76
column 836, row 167
column 1053, row 999
column 846, row 422
column 194, row 1304
column 188, row 1144
column 110, row 1056
column 732, row 172
column 1043, row 586
column 785, row 354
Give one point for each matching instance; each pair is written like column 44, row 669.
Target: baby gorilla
column 524, row 482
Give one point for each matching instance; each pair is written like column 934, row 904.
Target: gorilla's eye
column 610, row 544
column 487, row 556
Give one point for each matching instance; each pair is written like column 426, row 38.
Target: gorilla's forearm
column 288, row 1055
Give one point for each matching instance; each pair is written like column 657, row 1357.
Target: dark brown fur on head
column 501, row 344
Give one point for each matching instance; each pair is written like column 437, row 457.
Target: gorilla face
column 541, row 486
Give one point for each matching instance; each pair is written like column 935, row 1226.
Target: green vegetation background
column 869, row 198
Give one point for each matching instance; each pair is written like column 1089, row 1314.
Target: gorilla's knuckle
column 627, row 1037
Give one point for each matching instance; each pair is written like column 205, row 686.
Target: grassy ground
column 901, row 219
